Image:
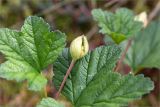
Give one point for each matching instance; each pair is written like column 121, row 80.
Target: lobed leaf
column 84, row 70
column 92, row 82
column 29, row 51
column 119, row 25
column 145, row 48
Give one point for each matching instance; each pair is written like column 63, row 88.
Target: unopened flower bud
column 79, row 47
column 142, row 17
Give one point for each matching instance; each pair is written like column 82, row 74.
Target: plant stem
column 45, row 91
column 64, row 79
column 123, row 55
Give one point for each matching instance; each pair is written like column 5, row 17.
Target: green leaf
column 119, row 26
column 92, row 82
column 20, row 71
column 84, row 70
column 145, row 49
column 29, row 51
column 114, row 90
column 49, row 102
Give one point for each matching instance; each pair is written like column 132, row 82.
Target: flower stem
column 123, row 55
column 64, row 79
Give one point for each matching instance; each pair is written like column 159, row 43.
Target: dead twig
column 111, row 3
column 154, row 12
column 91, row 32
column 55, row 7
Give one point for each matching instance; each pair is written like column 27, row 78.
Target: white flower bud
column 79, row 47
column 142, row 17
